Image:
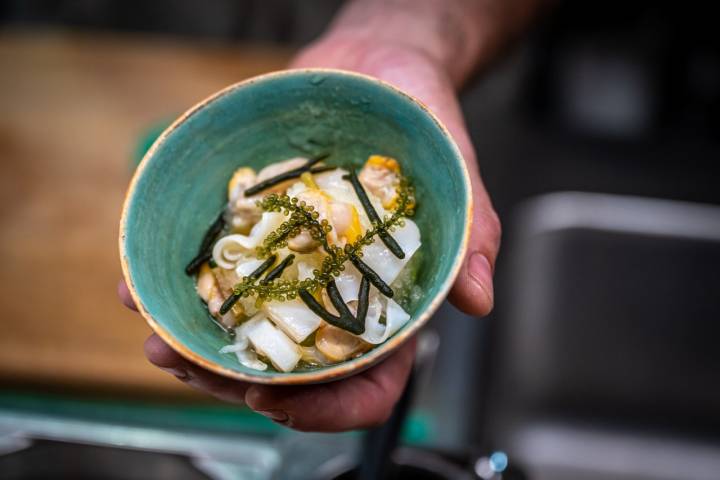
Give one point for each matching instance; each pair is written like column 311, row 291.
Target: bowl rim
column 333, row 372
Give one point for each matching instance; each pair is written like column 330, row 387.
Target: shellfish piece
column 205, row 282
column 215, row 303
column 337, row 345
column 381, row 176
column 242, row 212
column 242, row 178
column 303, row 242
column 345, row 220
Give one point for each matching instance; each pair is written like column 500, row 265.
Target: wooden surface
column 73, row 108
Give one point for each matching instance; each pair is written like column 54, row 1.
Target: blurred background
column 598, row 141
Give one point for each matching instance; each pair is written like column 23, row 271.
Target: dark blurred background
column 598, row 141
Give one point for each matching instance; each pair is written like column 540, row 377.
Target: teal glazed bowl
column 181, row 184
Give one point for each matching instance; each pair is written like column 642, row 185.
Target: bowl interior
column 181, row 186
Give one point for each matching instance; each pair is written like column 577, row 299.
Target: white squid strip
column 251, row 360
column 395, row 318
column 333, row 179
column 305, row 270
column 293, row 317
column 386, row 265
column 296, row 188
column 240, row 347
column 240, row 344
column 246, row 268
column 275, row 345
column 348, row 283
column 333, row 184
column 228, row 249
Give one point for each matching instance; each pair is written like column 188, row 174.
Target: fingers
column 125, row 297
column 360, row 401
column 167, row 359
column 161, row 355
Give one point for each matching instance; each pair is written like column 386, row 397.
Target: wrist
column 444, row 31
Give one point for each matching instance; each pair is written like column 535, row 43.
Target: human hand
column 374, row 38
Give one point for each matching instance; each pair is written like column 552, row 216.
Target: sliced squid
column 240, row 347
column 242, row 212
column 245, row 268
column 228, row 250
column 395, row 318
column 383, row 262
column 251, row 360
column 293, row 317
column 348, row 283
column 332, row 180
column 305, row 270
column 272, row 343
column 240, row 344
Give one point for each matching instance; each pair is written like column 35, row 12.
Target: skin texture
column 427, row 48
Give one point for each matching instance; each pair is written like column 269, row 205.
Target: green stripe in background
column 219, row 418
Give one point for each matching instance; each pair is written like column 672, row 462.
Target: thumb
column 473, row 291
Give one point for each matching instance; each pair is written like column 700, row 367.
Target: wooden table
column 73, row 108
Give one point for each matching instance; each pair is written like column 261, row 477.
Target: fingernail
column 480, row 271
column 275, row 415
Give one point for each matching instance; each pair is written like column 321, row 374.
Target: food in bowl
column 309, row 264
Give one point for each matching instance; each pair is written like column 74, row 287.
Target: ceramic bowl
column 181, row 185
